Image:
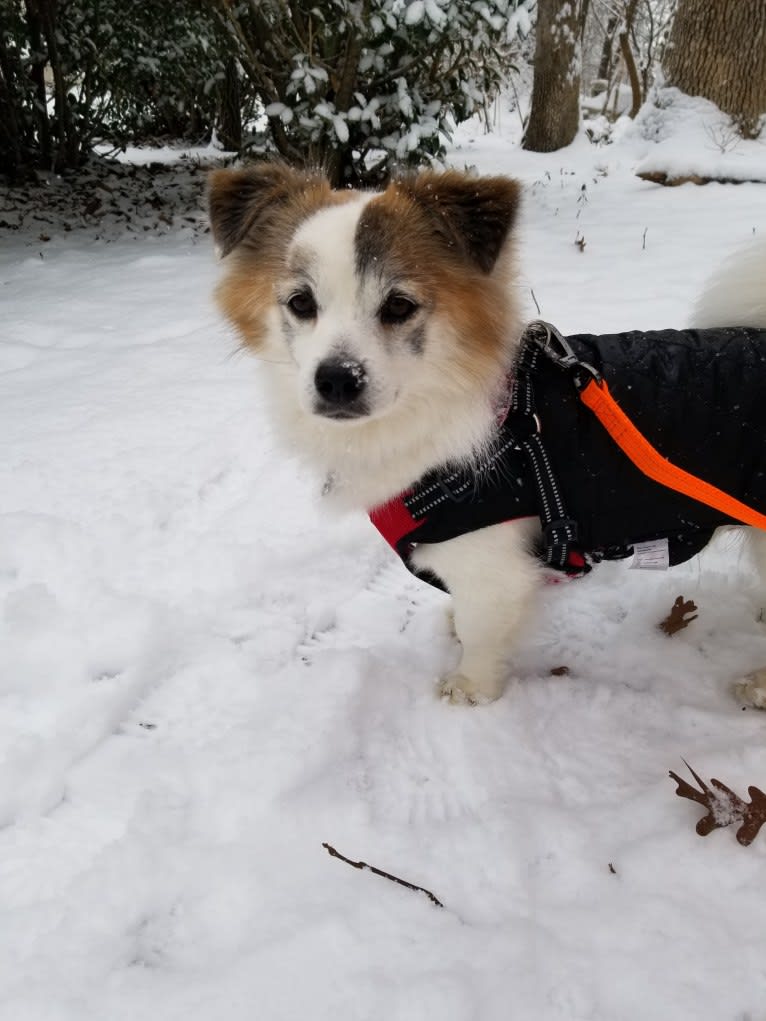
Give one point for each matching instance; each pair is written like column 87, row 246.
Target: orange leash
column 651, row 462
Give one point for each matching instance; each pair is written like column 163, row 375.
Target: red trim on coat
column 393, row 520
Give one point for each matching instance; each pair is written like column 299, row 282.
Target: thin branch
column 265, row 35
column 518, row 103
column 401, row 71
column 379, row 872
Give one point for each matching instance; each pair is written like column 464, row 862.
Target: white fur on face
column 322, row 259
column 399, row 298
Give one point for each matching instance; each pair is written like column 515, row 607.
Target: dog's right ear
column 239, row 199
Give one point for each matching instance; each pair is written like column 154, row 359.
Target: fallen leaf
column 678, row 617
column 724, row 807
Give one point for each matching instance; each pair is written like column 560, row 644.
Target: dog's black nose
column 340, row 381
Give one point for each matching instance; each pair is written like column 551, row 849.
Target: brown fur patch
column 444, row 234
column 254, row 214
column 470, row 217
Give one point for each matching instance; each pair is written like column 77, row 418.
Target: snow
column 694, row 139
column 139, row 155
column 204, row 677
column 414, row 12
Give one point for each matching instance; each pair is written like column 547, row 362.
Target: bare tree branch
column 379, row 872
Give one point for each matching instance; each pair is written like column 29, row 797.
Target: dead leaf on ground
column 678, row 618
column 724, row 807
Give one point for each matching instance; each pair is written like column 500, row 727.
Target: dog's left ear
column 474, row 213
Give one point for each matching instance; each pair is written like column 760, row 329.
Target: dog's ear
column 239, row 199
column 475, row 214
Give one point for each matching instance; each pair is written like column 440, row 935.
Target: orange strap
column 651, row 462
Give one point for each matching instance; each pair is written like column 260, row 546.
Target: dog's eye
column 397, row 308
column 302, row 305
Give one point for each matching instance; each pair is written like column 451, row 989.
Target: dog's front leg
column 752, row 689
column 492, row 579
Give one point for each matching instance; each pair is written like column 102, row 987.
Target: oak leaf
column 678, row 618
column 724, row 807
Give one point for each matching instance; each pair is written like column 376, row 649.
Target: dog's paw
column 461, row 690
column 752, row 690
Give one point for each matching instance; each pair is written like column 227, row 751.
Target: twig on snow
column 379, row 872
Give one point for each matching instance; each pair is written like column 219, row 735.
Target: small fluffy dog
column 388, row 327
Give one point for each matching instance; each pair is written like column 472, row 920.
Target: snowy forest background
column 204, row 677
column 356, row 86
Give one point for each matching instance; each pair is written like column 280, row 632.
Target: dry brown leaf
column 724, row 807
column 678, row 617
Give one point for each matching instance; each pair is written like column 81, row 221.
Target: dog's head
column 375, row 300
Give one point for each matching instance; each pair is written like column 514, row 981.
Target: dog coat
column 698, row 396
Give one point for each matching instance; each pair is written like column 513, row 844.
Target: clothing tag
column 651, row 556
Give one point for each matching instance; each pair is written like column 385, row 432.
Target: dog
column 389, row 328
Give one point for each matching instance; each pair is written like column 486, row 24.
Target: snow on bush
column 695, row 140
column 354, row 87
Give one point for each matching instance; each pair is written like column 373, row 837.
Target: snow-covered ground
column 203, row 678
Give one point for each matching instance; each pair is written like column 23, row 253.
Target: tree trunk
column 65, row 142
column 555, row 113
column 230, row 118
column 630, row 60
column 718, row 50
column 15, row 142
column 605, row 67
column 37, row 60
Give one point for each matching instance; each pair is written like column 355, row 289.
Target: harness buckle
column 547, row 336
column 523, row 427
column 594, row 374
